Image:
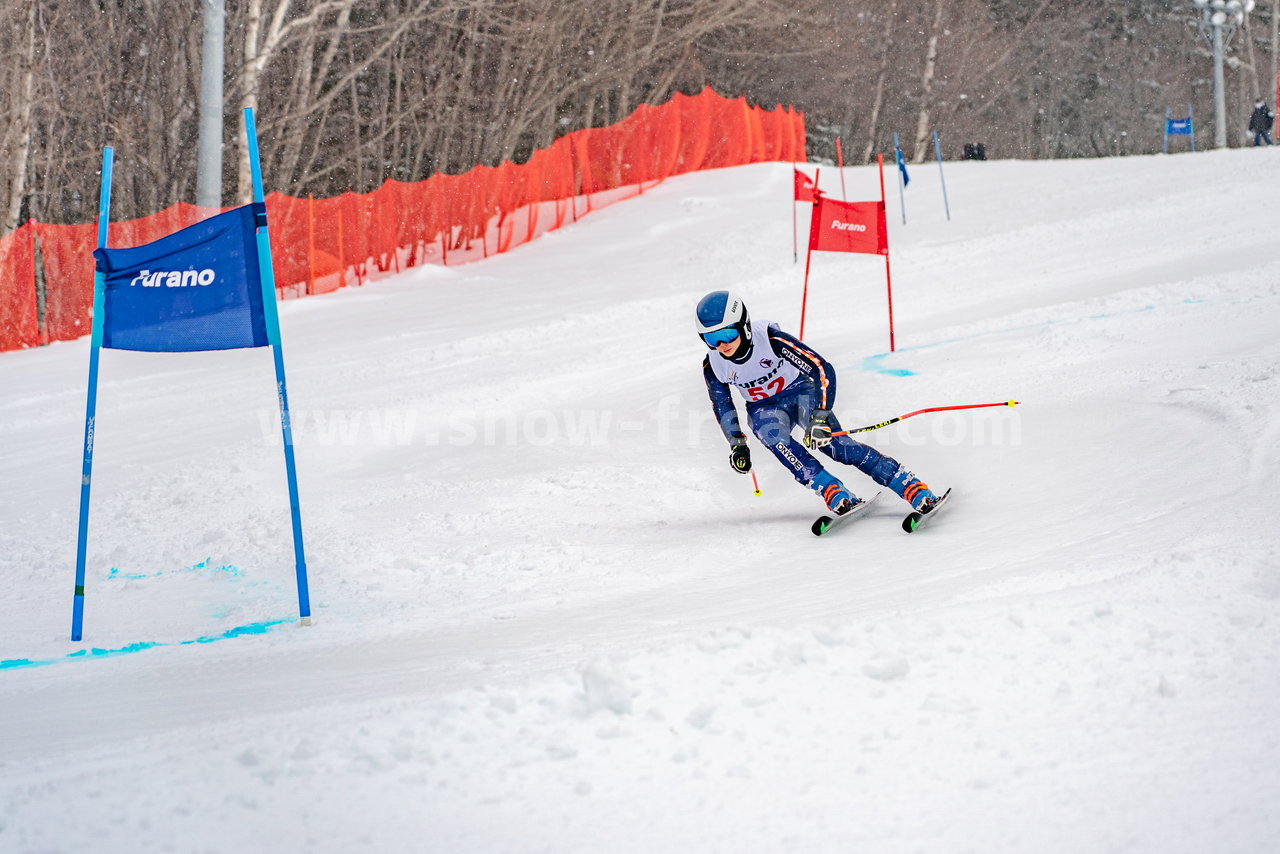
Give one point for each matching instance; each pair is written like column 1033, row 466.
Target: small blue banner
column 196, row 289
column 902, row 167
column 1176, row 127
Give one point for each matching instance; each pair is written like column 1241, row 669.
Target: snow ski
column 916, row 519
column 824, row 524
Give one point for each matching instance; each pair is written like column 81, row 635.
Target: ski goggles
column 720, row 336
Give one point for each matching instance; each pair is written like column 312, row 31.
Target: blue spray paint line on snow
column 115, row 574
column 251, row 629
column 872, row 364
column 97, row 652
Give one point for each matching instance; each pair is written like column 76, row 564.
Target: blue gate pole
column 1191, row 125
column 1166, row 130
column 91, row 401
column 937, row 149
column 272, row 317
column 897, row 158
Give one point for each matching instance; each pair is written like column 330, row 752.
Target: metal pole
column 1219, row 92
column 209, row 151
column 937, row 149
column 897, row 160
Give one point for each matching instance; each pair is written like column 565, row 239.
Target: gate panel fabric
column 195, row 289
column 320, row 245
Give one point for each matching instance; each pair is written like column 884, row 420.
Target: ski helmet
column 724, row 310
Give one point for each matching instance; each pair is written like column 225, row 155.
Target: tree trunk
column 877, row 103
column 250, row 71
column 1275, row 52
column 926, row 83
column 18, row 132
column 1247, row 33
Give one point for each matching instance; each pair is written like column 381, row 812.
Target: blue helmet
column 724, row 311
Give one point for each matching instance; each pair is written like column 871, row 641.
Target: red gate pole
column 884, row 225
column 804, row 297
column 808, row 255
column 844, row 197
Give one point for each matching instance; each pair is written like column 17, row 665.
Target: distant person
column 1260, row 123
column 975, row 151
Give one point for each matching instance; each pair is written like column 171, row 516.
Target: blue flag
column 902, row 166
column 196, row 289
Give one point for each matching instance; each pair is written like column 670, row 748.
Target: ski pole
column 921, row 412
column 755, row 483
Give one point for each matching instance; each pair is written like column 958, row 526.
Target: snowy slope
column 550, row 618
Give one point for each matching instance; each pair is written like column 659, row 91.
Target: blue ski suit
column 774, row 416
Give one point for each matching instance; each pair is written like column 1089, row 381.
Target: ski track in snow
column 549, row 618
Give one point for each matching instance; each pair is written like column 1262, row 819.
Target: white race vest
column 764, row 374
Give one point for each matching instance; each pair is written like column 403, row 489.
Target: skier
column 785, row 383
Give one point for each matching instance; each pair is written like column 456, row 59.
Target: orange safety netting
column 320, row 245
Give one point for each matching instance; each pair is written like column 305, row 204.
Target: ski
column 916, row 519
column 825, row 524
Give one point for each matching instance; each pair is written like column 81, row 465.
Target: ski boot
column 913, row 490
column 839, row 500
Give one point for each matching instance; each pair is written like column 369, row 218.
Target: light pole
column 1218, row 21
column 209, row 145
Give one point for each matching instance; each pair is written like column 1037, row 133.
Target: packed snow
column 550, row 618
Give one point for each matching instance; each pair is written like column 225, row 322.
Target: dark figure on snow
column 1260, row 123
column 975, row 151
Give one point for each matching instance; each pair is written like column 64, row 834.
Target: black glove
column 818, row 434
column 740, row 458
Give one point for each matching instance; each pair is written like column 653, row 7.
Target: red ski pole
column 921, row 412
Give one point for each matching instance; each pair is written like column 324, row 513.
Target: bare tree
column 877, row 101
column 17, row 40
column 263, row 43
column 349, row 93
column 926, row 82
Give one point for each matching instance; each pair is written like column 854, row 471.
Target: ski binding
column 825, row 524
column 916, row 519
